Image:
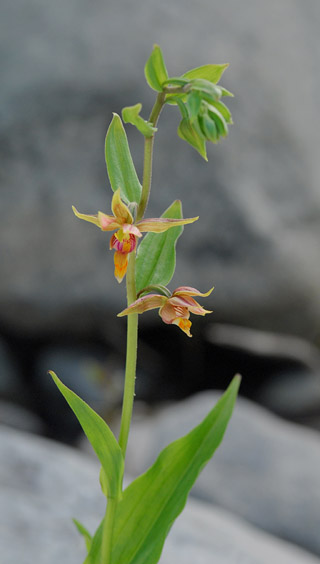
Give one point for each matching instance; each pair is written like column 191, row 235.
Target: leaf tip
column 53, row 376
column 237, row 381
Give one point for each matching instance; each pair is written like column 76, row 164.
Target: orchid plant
column 139, row 517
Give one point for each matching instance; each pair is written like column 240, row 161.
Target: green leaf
column 152, row 502
column 131, row 115
column 95, row 549
column 190, row 133
column 121, row 170
column 84, row 532
column 156, row 257
column 212, row 73
column 155, row 70
column 100, row 436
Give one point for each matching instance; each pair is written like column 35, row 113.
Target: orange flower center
column 126, row 245
column 184, row 325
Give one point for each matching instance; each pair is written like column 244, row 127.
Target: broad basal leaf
column 156, row 258
column 153, row 501
column 100, row 436
column 121, row 171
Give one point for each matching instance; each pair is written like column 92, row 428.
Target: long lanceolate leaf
column 121, row 170
column 100, row 436
column 153, row 501
column 156, row 257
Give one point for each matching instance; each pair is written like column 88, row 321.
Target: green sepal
column 224, row 111
column 206, row 88
column 172, row 99
column 155, row 70
column 193, row 135
column 212, row 73
column 193, row 104
column 208, row 128
column 131, row 115
column 176, row 81
column 142, row 519
column 182, row 107
column 121, row 171
column 85, row 533
column 225, row 92
column 100, row 436
column 158, row 288
column 219, row 120
column 156, row 255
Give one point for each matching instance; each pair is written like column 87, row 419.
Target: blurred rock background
column 65, row 67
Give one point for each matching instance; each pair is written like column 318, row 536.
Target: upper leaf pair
column 127, row 193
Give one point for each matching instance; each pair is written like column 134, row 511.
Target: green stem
column 128, row 397
column 148, row 153
column 131, row 360
column 132, row 337
column 108, row 525
column 132, row 323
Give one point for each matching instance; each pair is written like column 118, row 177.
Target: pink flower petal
column 107, row 222
column 188, row 291
column 169, row 312
column 129, row 228
column 152, row 301
column 189, row 303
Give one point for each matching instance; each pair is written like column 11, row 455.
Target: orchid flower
column 174, row 309
column 124, row 241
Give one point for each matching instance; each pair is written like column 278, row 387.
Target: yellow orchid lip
column 122, row 222
column 173, row 310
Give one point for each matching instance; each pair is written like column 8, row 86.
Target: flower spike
column 174, row 310
column 124, row 241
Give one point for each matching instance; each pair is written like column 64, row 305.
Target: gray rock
column 288, row 368
column 66, row 67
column 19, row 417
column 43, row 485
column 10, row 382
column 206, row 534
column 266, row 471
